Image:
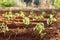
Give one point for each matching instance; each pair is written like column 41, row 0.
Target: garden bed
column 18, row 30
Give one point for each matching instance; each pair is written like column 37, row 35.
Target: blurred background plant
column 21, row 3
column 6, row 3
column 57, row 3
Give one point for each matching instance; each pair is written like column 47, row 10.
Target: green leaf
column 22, row 14
column 26, row 20
column 4, row 27
column 40, row 27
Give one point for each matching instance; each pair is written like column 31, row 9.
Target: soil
column 53, row 31
column 27, row 33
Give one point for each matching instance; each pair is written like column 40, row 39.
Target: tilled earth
column 52, row 33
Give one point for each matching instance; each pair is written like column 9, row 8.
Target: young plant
column 22, row 14
column 26, row 20
column 16, row 14
column 36, row 18
column 4, row 27
column 5, row 14
column 31, row 14
column 51, row 19
column 8, row 15
column 39, row 27
column 42, row 15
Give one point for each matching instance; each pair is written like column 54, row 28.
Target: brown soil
column 20, row 34
column 52, row 33
column 27, row 33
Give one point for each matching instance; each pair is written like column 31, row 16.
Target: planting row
column 20, row 19
column 21, row 23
